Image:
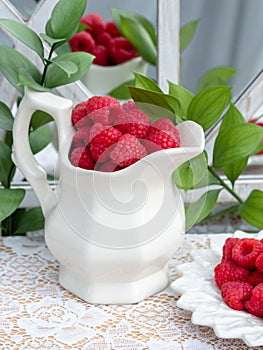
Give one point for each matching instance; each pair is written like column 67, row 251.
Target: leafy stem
column 226, row 187
column 46, row 64
column 228, row 210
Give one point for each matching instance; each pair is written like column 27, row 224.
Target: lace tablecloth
column 37, row 313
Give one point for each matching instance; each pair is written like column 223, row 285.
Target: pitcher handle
column 60, row 109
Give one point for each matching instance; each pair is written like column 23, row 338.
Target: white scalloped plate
column 201, row 296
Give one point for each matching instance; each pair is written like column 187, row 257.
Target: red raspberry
column 246, row 251
column 112, row 29
column 255, row 304
column 81, row 157
column 82, row 41
column 81, row 137
column 255, row 277
column 103, row 39
column 121, row 50
column 164, row 133
column 129, row 105
column 78, row 115
column 133, row 122
column 94, row 22
column 101, row 138
column 107, row 167
column 227, row 248
column 127, row 151
column 229, row 272
column 96, row 102
column 101, row 55
column 259, row 263
column 163, row 139
column 236, row 293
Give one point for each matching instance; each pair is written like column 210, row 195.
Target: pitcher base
column 113, row 292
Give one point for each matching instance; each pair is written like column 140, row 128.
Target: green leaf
column 146, row 83
column 231, row 118
column 121, row 92
column 188, row 174
column 207, row 180
column 140, row 39
column 236, row 143
column 5, row 163
column 196, row 212
column 6, row 117
column 252, row 209
column 40, row 118
column 26, row 79
column 186, row 34
column 233, row 170
column 56, row 76
column 214, row 77
column 40, row 138
column 30, row 220
column 152, row 98
column 65, row 17
column 208, row 105
column 182, row 95
column 147, row 25
column 67, row 66
column 52, row 41
column 10, row 200
column 24, row 34
column 11, row 61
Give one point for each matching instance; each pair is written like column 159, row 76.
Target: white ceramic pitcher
column 112, row 233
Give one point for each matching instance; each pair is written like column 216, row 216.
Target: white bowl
column 100, row 80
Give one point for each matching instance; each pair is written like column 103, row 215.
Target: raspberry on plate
column 133, row 121
column 255, row 277
column 81, row 157
column 121, row 50
column 236, row 293
column 127, row 151
column 228, row 271
column 82, row 41
column 255, row 304
column 94, row 22
column 259, row 262
column 227, row 248
column 246, row 251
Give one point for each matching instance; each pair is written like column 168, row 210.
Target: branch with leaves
column 57, row 70
column 236, row 141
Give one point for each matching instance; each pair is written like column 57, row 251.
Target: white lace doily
column 37, row 313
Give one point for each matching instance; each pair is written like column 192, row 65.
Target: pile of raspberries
column 103, row 40
column 239, row 275
column 109, row 136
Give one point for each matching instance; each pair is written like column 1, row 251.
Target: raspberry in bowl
column 115, row 57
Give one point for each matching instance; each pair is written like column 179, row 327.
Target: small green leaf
column 24, row 34
column 252, row 209
column 182, row 95
column 153, row 98
column 10, row 200
column 82, row 27
column 40, row 118
column 207, row 180
column 30, row 220
column 214, row 77
column 65, row 17
column 147, row 25
column 186, row 34
column 231, row 118
column 40, row 138
column 187, row 175
column 121, row 92
column 6, row 117
column 5, row 163
column 233, row 170
column 56, row 76
column 26, row 79
column 146, row 83
column 196, row 212
column 52, row 41
column 11, row 61
column 236, row 143
column 208, row 105
column 67, row 66
column 140, row 39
